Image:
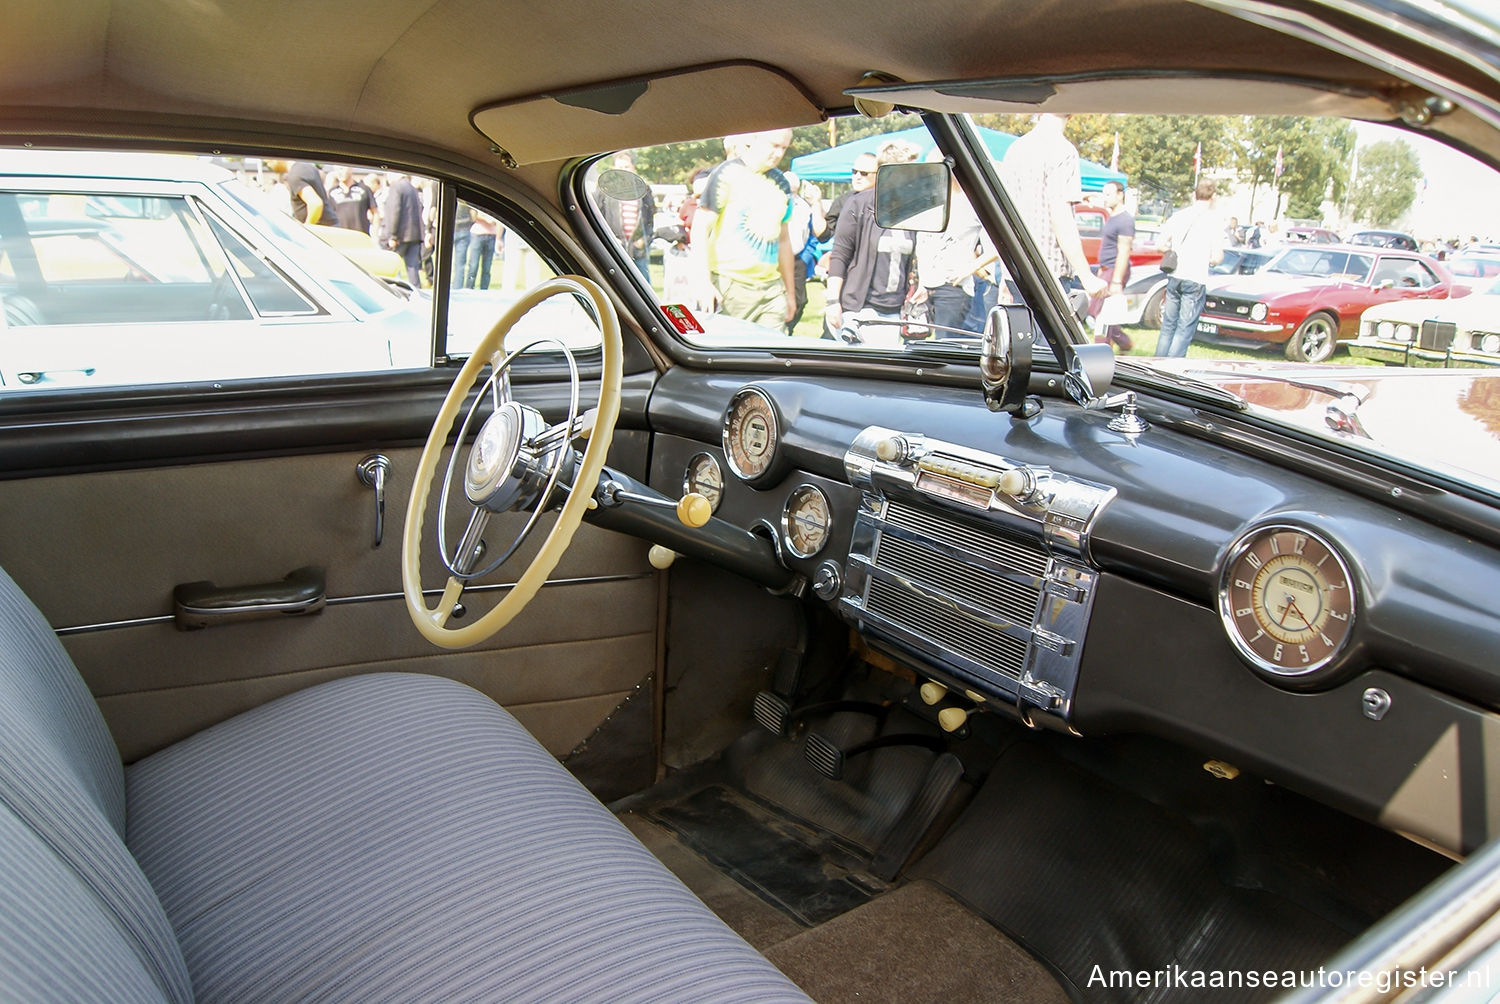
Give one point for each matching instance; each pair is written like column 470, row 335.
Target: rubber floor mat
column 794, row 868
column 1100, row 882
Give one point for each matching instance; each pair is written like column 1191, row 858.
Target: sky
column 1462, row 196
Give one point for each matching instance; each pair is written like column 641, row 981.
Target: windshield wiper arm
column 1178, row 381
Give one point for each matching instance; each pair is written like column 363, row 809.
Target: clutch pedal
column 772, row 712
column 776, row 715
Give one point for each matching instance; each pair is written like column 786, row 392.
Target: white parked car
column 1463, row 332
column 136, row 268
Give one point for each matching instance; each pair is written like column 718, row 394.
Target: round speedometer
column 751, row 434
column 1287, row 600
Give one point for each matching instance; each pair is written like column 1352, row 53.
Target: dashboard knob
column 694, row 510
column 827, row 582
column 1016, row 481
column 932, row 692
column 892, row 449
column 952, row 719
column 661, row 557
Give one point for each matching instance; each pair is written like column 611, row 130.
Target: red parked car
column 1143, row 251
column 1309, row 297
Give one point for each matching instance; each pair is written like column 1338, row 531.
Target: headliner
column 416, row 72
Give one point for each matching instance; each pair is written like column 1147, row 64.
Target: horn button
column 504, row 472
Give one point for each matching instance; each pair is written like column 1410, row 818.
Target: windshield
column 769, row 241
column 1318, row 262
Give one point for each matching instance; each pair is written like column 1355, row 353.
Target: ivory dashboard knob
column 892, row 450
column 661, row 557
column 932, row 692
column 1014, row 482
column 694, row 510
column 952, row 719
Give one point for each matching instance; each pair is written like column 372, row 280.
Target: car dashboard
column 1095, row 581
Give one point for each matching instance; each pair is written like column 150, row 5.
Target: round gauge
column 1287, row 600
column 805, row 520
column 751, row 433
column 705, row 477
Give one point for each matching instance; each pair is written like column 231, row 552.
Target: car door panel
column 583, row 646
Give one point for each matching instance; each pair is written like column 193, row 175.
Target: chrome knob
column 827, row 581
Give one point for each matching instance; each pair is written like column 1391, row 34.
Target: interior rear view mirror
column 913, row 196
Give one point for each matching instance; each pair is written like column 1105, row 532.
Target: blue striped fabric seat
column 386, row 837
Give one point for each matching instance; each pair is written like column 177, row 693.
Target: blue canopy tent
column 837, row 163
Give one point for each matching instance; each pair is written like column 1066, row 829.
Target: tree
column 1314, row 161
column 1157, row 152
column 1389, row 172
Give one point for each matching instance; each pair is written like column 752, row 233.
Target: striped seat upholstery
column 386, row 837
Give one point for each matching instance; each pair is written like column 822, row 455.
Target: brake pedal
column 829, row 759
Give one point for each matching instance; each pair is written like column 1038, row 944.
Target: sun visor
column 1147, row 94
column 688, row 104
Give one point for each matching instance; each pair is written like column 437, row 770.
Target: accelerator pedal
column 899, row 844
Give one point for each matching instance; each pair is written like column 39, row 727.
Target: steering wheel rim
column 432, row 622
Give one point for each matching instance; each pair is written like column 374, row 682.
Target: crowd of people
column 396, row 210
column 748, row 235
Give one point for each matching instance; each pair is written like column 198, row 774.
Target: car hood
column 1465, row 311
column 1266, row 285
column 1446, row 420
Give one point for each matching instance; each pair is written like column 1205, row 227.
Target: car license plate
column 1204, row 328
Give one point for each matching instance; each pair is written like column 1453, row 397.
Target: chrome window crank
column 372, row 472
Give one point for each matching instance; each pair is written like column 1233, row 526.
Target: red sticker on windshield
column 682, row 319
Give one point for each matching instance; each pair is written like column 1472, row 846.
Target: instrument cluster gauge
column 752, row 433
column 1287, row 601
column 705, row 477
column 805, row 521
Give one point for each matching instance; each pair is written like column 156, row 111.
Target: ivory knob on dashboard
column 932, row 692
column 1014, row 481
column 694, row 510
column 892, row 450
column 661, row 557
column 952, row 719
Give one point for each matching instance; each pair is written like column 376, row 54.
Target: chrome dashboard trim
column 991, row 583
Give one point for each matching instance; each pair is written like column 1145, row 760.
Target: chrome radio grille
column 948, row 627
column 1012, row 598
column 973, row 566
column 938, row 526
column 971, row 592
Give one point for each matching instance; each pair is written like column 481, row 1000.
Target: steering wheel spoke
column 517, row 463
column 500, row 389
column 562, row 432
column 452, row 592
column 470, row 545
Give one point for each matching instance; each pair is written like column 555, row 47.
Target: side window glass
column 267, row 288
column 492, row 266
column 120, row 269
column 1389, row 272
column 76, row 258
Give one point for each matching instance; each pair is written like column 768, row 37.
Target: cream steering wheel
column 510, row 457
